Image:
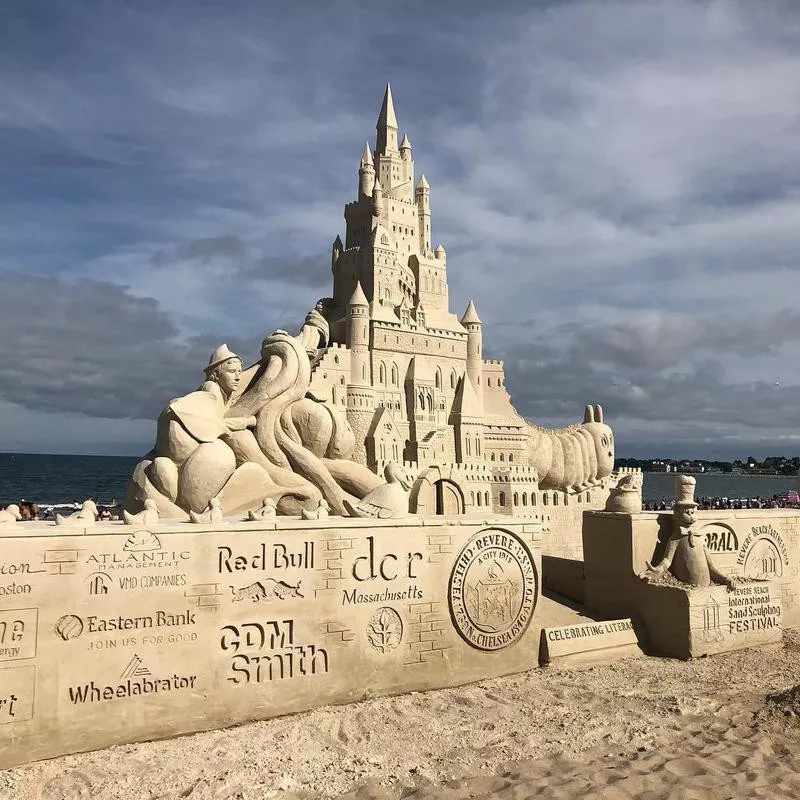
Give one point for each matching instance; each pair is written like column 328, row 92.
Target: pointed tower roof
column 466, row 403
column 376, row 187
column 406, row 142
column 358, row 298
column 387, row 118
column 471, row 315
column 366, row 159
column 337, row 243
column 422, row 183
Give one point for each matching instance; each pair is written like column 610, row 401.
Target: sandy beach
column 644, row 728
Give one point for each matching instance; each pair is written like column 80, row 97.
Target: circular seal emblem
column 494, row 587
column 69, row 627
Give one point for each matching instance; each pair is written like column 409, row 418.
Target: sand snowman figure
column 687, row 556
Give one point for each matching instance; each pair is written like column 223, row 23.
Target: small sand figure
column 85, row 516
column 10, row 513
column 322, row 511
column 268, row 510
column 626, row 496
column 147, row 517
column 388, row 501
column 213, row 512
column 687, row 556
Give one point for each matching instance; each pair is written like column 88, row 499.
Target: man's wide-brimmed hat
column 219, row 356
column 684, row 491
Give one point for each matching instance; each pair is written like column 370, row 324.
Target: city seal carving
column 494, row 587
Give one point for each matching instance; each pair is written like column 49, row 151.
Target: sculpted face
column 604, row 446
column 228, row 375
column 684, row 516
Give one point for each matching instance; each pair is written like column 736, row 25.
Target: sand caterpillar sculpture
column 576, row 457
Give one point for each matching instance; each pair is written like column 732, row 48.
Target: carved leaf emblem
column 385, row 629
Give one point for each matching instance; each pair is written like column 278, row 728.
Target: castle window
column 453, row 379
column 510, row 456
column 555, row 499
column 472, row 498
column 477, row 447
column 382, row 374
column 492, row 456
column 438, row 378
column 588, row 497
column 488, row 381
column 524, row 499
column 394, row 374
column 533, row 498
column 544, row 498
column 341, row 380
column 469, row 446
column 486, row 498
column 516, row 499
column 336, row 359
column 502, row 457
column 480, row 499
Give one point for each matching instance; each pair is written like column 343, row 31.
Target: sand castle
column 361, row 511
column 382, row 372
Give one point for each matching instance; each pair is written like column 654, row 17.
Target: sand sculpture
column 686, row 557
column 626, row 496
column 10, row 513
column 381, row 373
column 86, row 515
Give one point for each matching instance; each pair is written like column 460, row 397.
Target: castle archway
column 435, row 492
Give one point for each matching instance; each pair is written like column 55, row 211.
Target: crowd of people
column 785, row 500
column 35, row 511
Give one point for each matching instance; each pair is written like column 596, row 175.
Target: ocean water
column 660, row 485
column 48, row 479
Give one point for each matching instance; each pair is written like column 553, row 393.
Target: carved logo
column 69, row 627
column 763, row 560
column 141, row 541
column 266, row 590
column 135, row 668
column 493, row 590
column 98, row 583
column 385, row 630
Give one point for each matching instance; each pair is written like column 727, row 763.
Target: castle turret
column 405, row 148
column 377, row 198
column 366, row 173
column 360, row 395
column 387, row 125
column 336, row 251
column 422, row 196
column 472, row 322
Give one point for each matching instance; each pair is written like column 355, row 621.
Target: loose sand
column 645, row 728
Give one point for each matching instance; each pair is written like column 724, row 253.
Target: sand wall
column 114, row 634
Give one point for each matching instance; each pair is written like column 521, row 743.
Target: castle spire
column 387, row 125
column 366, row 159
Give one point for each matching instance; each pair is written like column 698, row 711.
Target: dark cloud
column 91, row 347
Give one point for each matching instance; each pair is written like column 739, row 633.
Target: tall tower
column 360, row 395
column 387, row 125
column 366, row 173
column 422, row 196
column 472, row 322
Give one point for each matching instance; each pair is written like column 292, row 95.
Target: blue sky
column 616, row 183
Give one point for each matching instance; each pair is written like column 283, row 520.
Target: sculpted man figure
column 247, row 435
column 687, row 556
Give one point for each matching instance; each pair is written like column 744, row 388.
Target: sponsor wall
column 115, row 634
